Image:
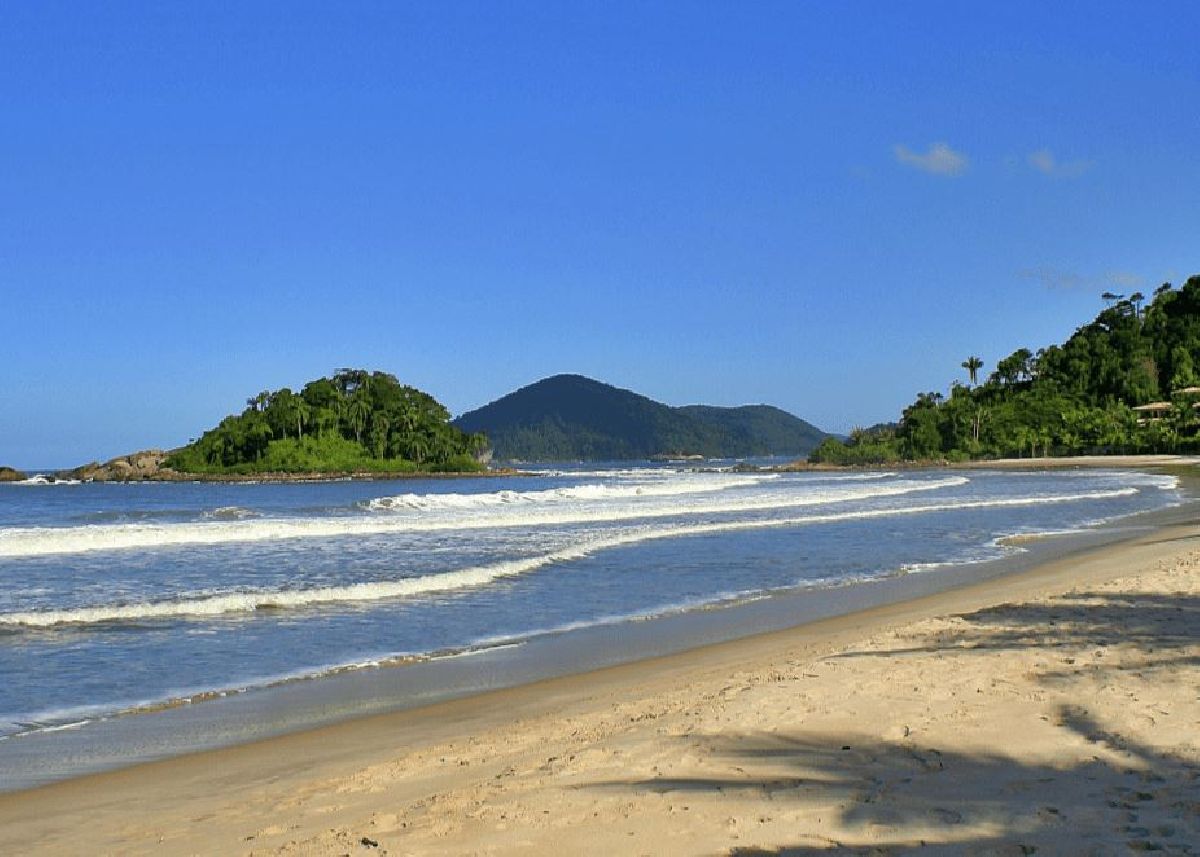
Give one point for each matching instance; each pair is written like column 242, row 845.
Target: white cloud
column 1124, row 280
column 1044, row 162
column 1056, row 279
column 940, row 160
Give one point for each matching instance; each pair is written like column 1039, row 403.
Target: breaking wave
column 45, row 480
column 42, row 541
column 591, row 492
column 245, row 602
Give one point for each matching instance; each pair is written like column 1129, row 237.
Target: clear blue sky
column 824, row 206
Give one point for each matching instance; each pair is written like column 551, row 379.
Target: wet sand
column 1055, row 709
column 1098, row 461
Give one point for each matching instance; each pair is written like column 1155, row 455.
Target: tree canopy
column 352, row 421
column 1074, row 398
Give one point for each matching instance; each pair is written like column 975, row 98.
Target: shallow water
column 119, row 597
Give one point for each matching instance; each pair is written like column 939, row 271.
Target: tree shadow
column 1157, row 625
column 896, row 797
column 900, row 797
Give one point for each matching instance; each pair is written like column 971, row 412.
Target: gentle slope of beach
column 1055, row 709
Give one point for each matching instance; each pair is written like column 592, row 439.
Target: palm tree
column 972, row 364
column 303, row 413
column 1137, row 298
column 418, row 446
column 358, row 412
column 379, row 433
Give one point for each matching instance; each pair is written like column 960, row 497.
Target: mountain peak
column 571, row 417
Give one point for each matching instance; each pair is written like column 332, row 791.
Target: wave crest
column 588, row 492
column 43, row 541
column 245, row 602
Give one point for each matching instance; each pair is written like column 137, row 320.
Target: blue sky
column 824, row 206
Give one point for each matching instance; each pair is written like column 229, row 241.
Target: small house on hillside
column 1148, row 413
column 1153, row 411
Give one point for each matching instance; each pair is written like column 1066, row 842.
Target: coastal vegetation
column 11, row 474
column 572, row 418
column 353, row 421
column 1127, row 382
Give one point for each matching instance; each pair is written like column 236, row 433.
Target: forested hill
column 759, row 429
column 1126, row 382
column 570, row 417
column 353, row 421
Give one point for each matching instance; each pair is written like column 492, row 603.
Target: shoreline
column 223, row 716
column 1138, row 461
column 260, row 772
column 65, row 477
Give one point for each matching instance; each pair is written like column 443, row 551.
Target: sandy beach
column 1053, row 710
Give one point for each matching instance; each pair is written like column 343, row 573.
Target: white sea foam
column 589, row 492
column 41, row 541
column 44, row 480
column 716, row 599
column 244, row 602
column 820, row 476
column 229, row 513
column 621, row 473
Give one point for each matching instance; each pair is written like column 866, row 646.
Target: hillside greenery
column 1069, row 399
column 757, row 429
column 572, row 418
column 354, row 421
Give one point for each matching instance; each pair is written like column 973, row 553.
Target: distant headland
column 1126, row 383
column 575, row 418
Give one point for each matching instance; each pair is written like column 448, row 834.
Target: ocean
column 120, row 600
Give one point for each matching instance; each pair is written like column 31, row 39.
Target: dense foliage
column 570, row 418
column 1074, row 398
column 353, row 421
column 757, row 430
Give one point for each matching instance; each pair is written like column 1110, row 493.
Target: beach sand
column 1056, row 710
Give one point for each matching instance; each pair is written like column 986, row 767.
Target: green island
column 1124, row 383
column 352, row 422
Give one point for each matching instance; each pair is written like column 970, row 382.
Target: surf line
column 43, row 541
column 245, row 602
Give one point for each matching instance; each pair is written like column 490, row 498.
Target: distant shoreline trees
column 1075, row 398
column 353, row 421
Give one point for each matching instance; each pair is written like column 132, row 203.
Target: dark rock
column 144, row 465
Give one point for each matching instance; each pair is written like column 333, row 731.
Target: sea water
column 124, row 598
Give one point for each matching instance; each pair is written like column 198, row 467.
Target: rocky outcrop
column 143, row 466
column 9, row 474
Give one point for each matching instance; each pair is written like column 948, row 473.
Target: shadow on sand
column 886, row 797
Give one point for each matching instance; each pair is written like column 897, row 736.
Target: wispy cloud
column 940, row 160
column 1057, row 279
column 1125, row 280
column 1044, row 161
